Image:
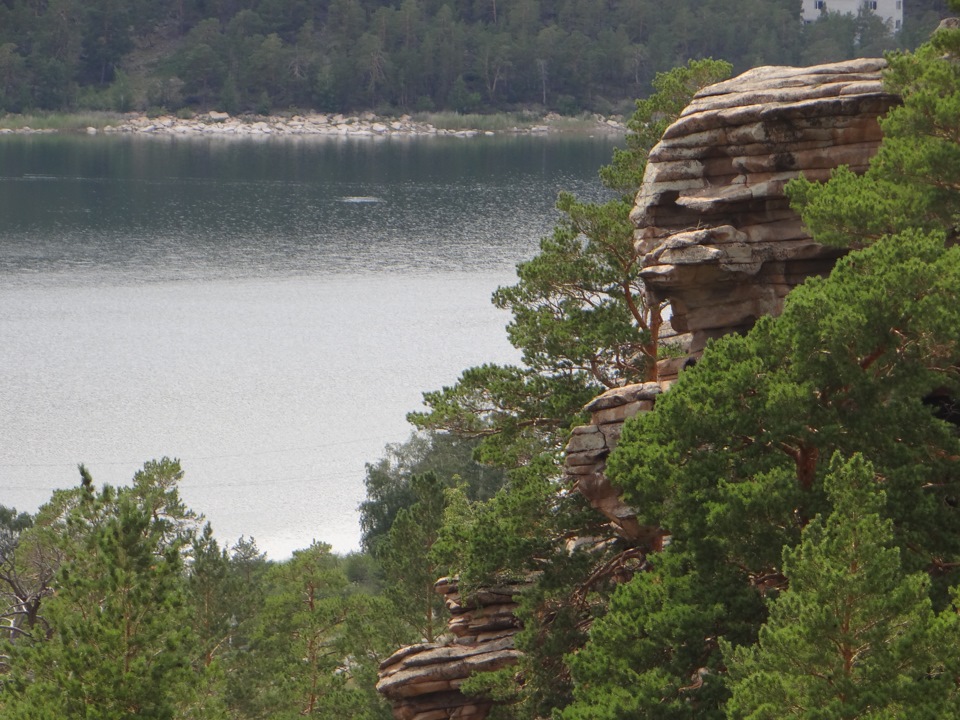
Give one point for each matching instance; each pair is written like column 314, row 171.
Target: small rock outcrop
column 423, row 681
column 587, row 452
column 719, row 238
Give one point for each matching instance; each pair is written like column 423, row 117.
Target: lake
column 265, row 311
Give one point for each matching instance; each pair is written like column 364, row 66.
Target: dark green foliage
column 284, row 640
column 579, row 306
column 106, row 39
column 405, row 557
column 582, row 319
column 522, row 533
column 124, row 608
column 733, row 464
column 735, row 455
column 581, row 315
column 518, row 413
column 388, row 481
column 656, row 652
column 313, row 646
column 217, row 602
column 912, row 182
column 521, row 530
column 732, row 461
column 566, row 56
column 853, row 636
column 830, row 39
column 226, row 589
column 118, row 642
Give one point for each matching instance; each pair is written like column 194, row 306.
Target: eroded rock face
column 587, row 451
column 422, row 681
column 718, row 237
column 720, row 241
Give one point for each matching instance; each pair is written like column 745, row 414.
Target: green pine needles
column 854, row 635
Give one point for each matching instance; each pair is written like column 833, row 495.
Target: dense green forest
column 400, row 55
column 828, row 591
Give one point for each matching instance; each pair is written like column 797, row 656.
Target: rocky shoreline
column 320, row 124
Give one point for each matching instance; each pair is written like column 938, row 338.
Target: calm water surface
column 267, row 312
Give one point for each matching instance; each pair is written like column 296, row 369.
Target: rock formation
column 422, row 681
column 720, row 241
column 721, row 244
column 718, row 237
column 589, row 447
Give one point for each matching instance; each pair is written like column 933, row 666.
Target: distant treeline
column 406, row 55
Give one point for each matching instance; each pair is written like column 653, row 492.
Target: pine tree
column 405, row 556
column 853, row 636
column 313, row 647
column 581, row 315
column 119, row 641
column 581, row 318
column 913, row 180
column 732, row 461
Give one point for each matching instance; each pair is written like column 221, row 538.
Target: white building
column 888, row 10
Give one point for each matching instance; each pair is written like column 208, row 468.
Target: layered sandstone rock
column 721, row 244
column 589, row 446
column 422, row 681
column 718, row 237
column 720, row 241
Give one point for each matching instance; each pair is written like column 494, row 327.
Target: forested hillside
column 400, row 55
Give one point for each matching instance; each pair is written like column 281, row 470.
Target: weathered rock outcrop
column 422, row 681
column 589, row 447
column 720, row 240
column 721, row 244
column 718, row 237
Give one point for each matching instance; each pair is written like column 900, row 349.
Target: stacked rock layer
column 721, row 244
column 719, row 238
column 423, row 681
column 587, row 452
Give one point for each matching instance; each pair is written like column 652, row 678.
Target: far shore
column 221, row 124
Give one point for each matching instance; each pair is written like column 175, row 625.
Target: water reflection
column 248, row 308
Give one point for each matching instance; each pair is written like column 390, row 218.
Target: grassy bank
column 61, row 122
